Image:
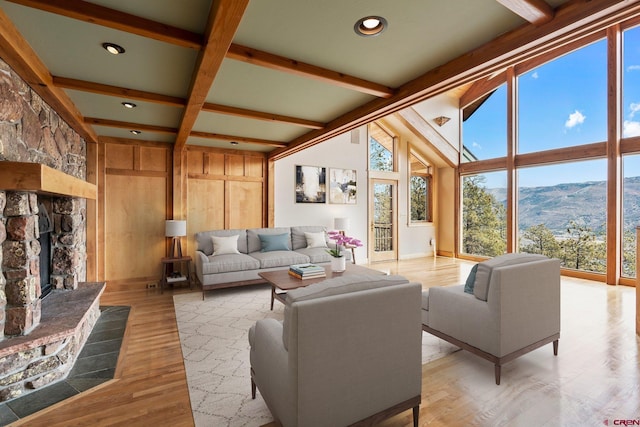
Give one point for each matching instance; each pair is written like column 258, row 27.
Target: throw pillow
column 315, row 240
column 274, row 242
column 225, row 245
column 471, row 280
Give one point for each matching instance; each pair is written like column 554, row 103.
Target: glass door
column 382, row 220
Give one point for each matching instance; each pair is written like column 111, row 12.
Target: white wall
column 338, row 152
column 349, row 151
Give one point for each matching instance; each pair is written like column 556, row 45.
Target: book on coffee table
column 307, row 271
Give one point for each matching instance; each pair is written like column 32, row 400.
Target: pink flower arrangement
column 342, row 240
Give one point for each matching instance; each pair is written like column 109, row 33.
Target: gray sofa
column 242, row 268
column 349, row 352
column 511, row 306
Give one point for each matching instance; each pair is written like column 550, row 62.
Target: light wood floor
column 595, row 378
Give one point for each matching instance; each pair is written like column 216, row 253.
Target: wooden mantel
column 20, row 176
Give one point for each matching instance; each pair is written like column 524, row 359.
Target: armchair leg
column 555, row 347
column 416, row 415
column 497, row 369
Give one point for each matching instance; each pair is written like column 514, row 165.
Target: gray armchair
column 348, row 351
column 511, row 306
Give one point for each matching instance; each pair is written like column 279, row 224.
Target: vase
column 338, row 264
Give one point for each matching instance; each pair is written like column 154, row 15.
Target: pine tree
column 483, row 220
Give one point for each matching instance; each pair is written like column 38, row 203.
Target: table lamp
column 341, row 224
column 175, row 229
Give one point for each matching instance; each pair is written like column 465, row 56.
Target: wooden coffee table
column 281, row 281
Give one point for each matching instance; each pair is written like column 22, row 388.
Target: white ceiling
column 422, row 36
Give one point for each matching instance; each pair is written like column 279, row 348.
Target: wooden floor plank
column 596, row 376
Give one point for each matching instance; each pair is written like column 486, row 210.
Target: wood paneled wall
column 136, row 200
column 225, row 189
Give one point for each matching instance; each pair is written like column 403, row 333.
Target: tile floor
column 95, row 365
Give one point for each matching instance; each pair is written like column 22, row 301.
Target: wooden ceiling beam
column 577, row 19
column 480, row 88
column 291, row 66
column 252, row 114
column 16, row 52
column 111, row 18
column 232, row 138
column 224, row 19
column 102, row 89
column 537, row 12
column 129, row 125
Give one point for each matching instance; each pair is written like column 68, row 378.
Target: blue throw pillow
column 274, row 242
column 471, row 280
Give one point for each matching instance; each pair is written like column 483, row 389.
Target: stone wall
column 31, row 131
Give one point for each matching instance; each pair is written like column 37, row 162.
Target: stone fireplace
column 42, row 164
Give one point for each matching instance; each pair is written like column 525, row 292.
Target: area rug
column 215, row 347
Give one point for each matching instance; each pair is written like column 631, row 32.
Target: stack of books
column 306, row 271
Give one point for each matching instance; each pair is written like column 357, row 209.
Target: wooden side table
column 176, row 276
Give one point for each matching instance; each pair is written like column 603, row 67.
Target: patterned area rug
column 215, row 347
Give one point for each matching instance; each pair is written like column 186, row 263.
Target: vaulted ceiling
column 274, row 76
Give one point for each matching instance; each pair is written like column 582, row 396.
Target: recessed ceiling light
column 234, row 142
column 127, row 104
column 135, row 132
column 113, row 48
column 370, row 26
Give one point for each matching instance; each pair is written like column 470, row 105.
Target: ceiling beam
column 252, row 114
column 16, row 52
column 578, row 19
column 537, row 12
column 291, row 66
column 102, row 89
column 111, row 18
column 224, row 19
column 238, row 139
column 129, row 125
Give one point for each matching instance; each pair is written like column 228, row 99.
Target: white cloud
column 630, row 128
column 633, row 68
column 634, row 107
column 534, row 75
column 476, row 145
column 575, row 118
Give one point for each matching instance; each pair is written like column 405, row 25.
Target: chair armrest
column 270, row 366
column 199, row 260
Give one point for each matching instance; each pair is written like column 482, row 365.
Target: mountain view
column 555, row 205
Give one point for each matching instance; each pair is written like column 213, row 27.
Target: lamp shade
column 341, row 224
column 175, row 228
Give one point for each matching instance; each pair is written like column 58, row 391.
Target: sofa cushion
column 228, row 263
column 274, row 259
column 274, row 242
column 483, row 274
column 253, row 241
column 316, row 240
column 471, row 280
column 205, row 244
column 334, row 286
column 316, row 255
column 299, row 240
column 225, row 244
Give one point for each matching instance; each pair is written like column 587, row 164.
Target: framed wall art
column 342, row 186
column 311, row 184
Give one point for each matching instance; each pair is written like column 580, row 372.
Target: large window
column 381, row 149
column 485, row 127
column 483, row 214
column 630, row 213
column 562, row 213
column 631, row 83
column 564, row 103
column 419, row 189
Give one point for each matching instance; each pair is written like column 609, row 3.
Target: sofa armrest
column 463, row 316
column 200, row 259
column 271, row 370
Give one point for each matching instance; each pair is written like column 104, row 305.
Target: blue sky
column 562, row 103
